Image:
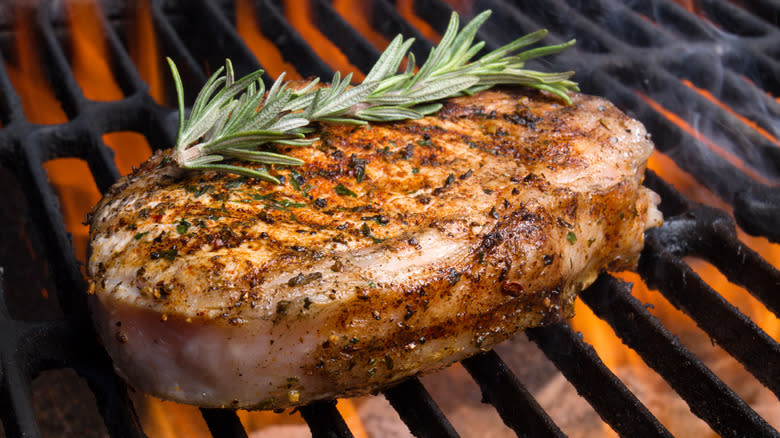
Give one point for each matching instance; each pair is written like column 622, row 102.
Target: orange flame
column 144, row 52
column 406, row 8
column 264, row 49
column 299, row 15
column 357, row 13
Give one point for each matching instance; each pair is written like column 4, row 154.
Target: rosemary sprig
column 234, row 119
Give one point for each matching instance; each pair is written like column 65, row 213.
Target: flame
column 299, row 15
column 264, row 49
column 406, row 8
column 144, row 52
column 38, row 100
column 358, row 13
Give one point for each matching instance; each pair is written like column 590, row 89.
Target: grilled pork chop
column 396, row 249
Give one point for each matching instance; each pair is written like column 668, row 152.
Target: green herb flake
column 415, row 170
column 294, row 180
column 354, row 341
column 571, row 237
column 183, row 226
column 425, row 142
column 140, row 236
column 235, row 182
column 168, row 254
column 342, row 190
column 199, row 190
column 165, row 160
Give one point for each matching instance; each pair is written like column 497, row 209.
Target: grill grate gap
column 708, row 397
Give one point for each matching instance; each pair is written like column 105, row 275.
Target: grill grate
column 621, row 55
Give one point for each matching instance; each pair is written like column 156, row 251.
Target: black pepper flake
column 321, row 202
column 358, row 165
column 423, row 200
column 407, row 153
column 467, row 174
column 515, row 191
column 548, row 259
column 562, row 223
column 493, row 213
column 413, row 241
column 453, row 276
column 488, row 191
column 380, row 219
column 450, row 179
column 302, row 279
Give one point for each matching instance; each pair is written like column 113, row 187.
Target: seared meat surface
column 396, row 249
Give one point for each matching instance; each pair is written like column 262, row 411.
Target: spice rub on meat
column 396, row 249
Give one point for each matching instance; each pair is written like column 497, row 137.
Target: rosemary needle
column 235, row 119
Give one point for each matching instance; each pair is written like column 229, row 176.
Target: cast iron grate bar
column 581, row 366
column 324, row 420
column 418, row 410
column 223, row 423
column 663, row 268
column 502, row 389
column 284, row 36
column 360, row 52
column 707, row 396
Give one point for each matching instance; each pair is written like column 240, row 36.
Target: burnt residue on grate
column 643, row 55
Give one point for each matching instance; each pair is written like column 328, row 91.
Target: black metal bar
column 614, row 403
column 324, row 420
column 228, row 43
column 17, row 411
column 418, row 410
column 663, row 268
column 387, row 20
column 708, row 397
column 223, row 423
column 293, row 47
column 360, row 52
column 516, row 406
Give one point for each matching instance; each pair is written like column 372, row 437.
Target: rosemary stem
column 184, row 156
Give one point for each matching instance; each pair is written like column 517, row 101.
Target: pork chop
column 397, row 249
